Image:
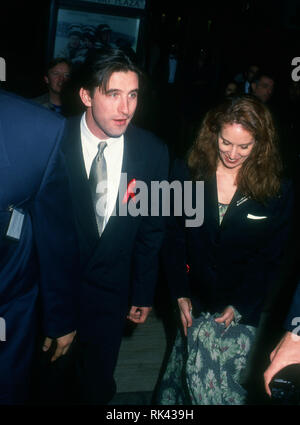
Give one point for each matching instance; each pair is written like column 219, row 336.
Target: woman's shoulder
column 286, row 188
column 284, row 200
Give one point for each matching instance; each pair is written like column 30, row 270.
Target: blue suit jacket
column 120, row 268
column 233, row 263
column 42, row 263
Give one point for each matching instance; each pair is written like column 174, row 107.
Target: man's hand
column 185, row 308
column 226, row 317
column 138, row 314
column 285, row 353
column 62, row 345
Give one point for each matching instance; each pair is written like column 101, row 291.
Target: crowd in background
column 179, row 89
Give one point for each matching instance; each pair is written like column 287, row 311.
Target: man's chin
column 117, row 133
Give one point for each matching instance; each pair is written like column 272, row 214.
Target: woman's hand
column 185, row 308
column 226, row 317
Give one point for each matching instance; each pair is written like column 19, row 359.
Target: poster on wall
column 76, row 30
column 138, row 4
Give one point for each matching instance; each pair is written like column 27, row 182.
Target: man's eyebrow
column 119, row 90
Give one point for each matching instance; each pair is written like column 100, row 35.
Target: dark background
column 266, row 31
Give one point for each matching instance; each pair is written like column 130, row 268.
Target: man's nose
column 123, row 106
column 60, row 77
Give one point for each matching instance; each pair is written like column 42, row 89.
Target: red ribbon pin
column 130, row 191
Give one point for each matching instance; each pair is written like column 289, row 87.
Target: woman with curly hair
column 232, row 258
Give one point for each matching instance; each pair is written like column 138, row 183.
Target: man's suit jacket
column 42, row 263
column 120, row 268
column 233, row 263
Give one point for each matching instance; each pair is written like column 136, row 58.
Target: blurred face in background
column 231, row 89
column 57, row 77
column 74, row 41
column 263, row 88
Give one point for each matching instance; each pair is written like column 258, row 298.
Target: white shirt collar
column 93, row 140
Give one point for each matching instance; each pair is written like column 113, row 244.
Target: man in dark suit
column 119, row 252
column 287, row 351
column 37, row 245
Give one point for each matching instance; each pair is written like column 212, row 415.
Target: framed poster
column 78, row 27
column 139, row 4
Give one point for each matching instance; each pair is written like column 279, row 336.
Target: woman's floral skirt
column 209, row 366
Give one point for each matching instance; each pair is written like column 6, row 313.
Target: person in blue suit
column 232, row 258
column 38, row 245
column 119, row 251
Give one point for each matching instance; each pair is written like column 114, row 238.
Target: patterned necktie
column 98, row 174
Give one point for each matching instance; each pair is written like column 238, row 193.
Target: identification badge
column 15, row 225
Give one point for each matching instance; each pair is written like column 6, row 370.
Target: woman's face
column 235, row 145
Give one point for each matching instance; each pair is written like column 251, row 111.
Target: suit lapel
column 132, row 164
column 237, row 200
column 211, row 203
column 80, row 188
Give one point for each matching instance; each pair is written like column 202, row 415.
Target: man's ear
column 253, row 86
column 46, row 79
column 85, row 97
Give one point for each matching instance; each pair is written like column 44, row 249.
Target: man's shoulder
column 145, row 138
column 30, row 126
column 42, row 99
column 73, row 126
column 16, row 106
column 71, row 133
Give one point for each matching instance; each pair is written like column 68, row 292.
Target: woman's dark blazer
column 229, row 264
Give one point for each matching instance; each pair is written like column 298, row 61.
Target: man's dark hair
column 102, row 63
column 55, row 62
